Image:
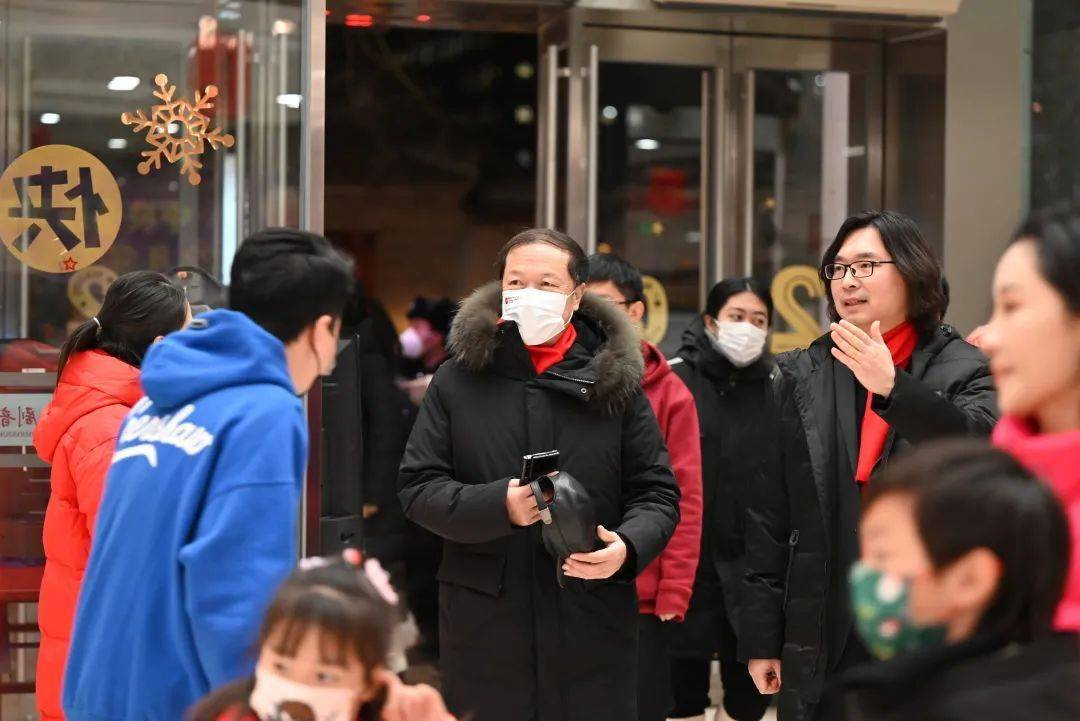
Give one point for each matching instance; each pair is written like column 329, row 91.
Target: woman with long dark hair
column 889, row 374
column 98, row 382
column 1033, row 340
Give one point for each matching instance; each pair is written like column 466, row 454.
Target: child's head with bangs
column 323, row 648
column 327, row 625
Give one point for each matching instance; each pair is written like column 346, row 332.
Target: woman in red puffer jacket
column 98, row 383
column 1033, row 340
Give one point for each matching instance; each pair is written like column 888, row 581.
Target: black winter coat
column 978, row 680
column 514, row 646
column 802, row 521
column 733, row 405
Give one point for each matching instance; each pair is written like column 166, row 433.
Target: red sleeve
column 678, row 562
column 89, row 474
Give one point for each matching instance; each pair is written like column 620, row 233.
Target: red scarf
column 545, row 356
column 901, row 341
column 1055, row 458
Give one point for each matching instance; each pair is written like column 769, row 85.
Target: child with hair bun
column 325, row 650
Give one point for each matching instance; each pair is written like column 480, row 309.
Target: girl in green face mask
column 964, row 557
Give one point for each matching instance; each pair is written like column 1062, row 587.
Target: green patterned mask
column 880, row 603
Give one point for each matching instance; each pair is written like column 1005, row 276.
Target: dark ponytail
column 138, row 307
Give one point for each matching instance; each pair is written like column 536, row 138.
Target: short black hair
column 1056, row 236
column 626, row 277
column 968, row 496
column 578, row 265
column 916, row 261
column 439, row 312
column 285, row 279
column 722, row 292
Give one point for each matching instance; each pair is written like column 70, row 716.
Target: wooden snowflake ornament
column 177, row 130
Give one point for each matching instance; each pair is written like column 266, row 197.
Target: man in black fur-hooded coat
column 514, row 645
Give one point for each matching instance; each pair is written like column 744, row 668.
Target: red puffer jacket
column 666, row 584
column 76, row 434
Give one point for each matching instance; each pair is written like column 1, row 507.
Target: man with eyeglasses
column 888, row 374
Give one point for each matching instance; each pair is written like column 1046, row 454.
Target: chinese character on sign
column 60, row 208
column 6, row 419
column 27, row 417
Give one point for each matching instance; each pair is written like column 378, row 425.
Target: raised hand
column 868, row 357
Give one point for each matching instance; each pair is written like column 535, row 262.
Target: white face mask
column 276, row 698
column 538, row 313
column 740, row 343
column 412, row 345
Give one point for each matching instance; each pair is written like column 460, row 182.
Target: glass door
column 808, row 121
column 641, row 160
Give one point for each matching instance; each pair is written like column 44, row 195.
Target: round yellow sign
column 656, row 309
column 86, row 288
column 60, row 209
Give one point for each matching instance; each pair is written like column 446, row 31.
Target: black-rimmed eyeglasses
column 859, row 269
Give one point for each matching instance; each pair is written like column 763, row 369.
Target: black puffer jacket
column 514, row 646
column 733, row 405
column 979, row 680
column 802, row 520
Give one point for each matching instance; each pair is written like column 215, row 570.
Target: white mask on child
column 742, row 343
column 276, row 698
column 538, row 313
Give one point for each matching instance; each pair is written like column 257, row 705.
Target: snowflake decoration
column 189, row 146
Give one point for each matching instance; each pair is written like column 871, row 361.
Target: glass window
column 649, row 183
column 810, row 171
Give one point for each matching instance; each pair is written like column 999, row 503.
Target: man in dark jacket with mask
column 539, row 366
column 888, row 375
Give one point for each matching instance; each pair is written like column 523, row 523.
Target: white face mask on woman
column 412, row 345
column 538, row 313
column 276, row 698
column 741, row 343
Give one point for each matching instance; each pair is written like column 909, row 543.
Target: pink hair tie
column 380, row 579
column 352, row 556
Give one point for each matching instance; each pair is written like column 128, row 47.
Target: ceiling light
column 123, row 82
column 354, row 20
column 289, row 100
column 50, row 118
column 117, row 143
column 647, row 144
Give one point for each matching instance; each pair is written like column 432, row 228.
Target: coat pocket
column 793, row 546
column 481, row 572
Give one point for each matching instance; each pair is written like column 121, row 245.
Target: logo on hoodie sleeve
column 146, row 429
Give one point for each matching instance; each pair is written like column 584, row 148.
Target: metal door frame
column 750, row 54
column 573, row 43
column 572, row 53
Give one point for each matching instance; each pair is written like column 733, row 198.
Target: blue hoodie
column 196, row 528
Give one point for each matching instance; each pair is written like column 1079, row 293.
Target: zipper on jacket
column 793, row 543
column 569, row 378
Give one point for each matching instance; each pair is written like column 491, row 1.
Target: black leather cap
column 569, row 517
